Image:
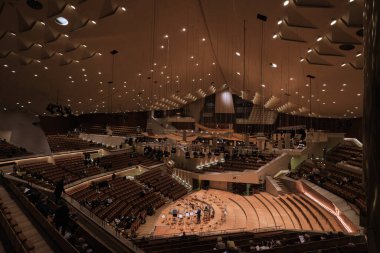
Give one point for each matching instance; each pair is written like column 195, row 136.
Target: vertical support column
column 371, row 119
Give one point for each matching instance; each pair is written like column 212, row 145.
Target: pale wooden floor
column 259, row 211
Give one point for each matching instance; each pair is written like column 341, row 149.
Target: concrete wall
column 24, row 133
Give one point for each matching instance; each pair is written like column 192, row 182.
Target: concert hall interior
column 189, row 126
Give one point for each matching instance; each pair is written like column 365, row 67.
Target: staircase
column 179, row 180
column 284, row 189
column 26, row 226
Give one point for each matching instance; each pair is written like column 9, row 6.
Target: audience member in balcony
column 59, row 189
column 219, row 243
column 61, row 218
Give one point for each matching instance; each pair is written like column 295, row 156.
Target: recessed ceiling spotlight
column 72, row 7
column 29, row 102
column 139, row 74
column 344, row 84
column 183, row 29
column 323, row 90
column 42, row 23
column 213, row 63
column 307, row 85
column 358, row 94
column 13, row 34
column 61, row 21
column 166, row 36
column 286, row 3
column 100, row 54
column 343, row 64
column 35, row 75
column 13, row 71
column 93, row 21
column 123, row 8
column 5, row 66
column 324, row 85
column 84, row 74
column 279, row 22
column 263, row 85
column 319, row 38
column 99, row 73
column 237, row 53
column 69, row 77
column 309, row 50
column 83, row 70
column 358, row 54
column 203, row 39
column 275, row 36
column 341, row 89
column 333, row 102
column 162, row 47
column 351, row 1
column 84, row 45
column 302, row 59
column 238, row 73
column 273, row 65
column 333, row 22
column 192, row 57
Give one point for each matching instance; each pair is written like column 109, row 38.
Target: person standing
column 59, row 188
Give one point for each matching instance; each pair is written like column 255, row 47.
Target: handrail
column 210, row 233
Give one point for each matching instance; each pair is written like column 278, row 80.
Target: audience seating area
column 94, row 129
column 124, row 130
column 44, row 173
column 347, row 152
column 8, row 150
column 275, row 241
column 76, row 165
column 120, row 161
column 241, row 163
column 121, row 202
column 61, row 143
column 161, row 181
column 341, row 182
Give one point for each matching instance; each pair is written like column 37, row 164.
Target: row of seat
column 60, row 143
column 161, row 181
column 8, row 150
column 248, row 163
column 276, row 241
column 346, row 152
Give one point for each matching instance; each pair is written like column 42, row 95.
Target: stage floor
column 234, row 212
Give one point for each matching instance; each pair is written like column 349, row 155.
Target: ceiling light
column 35, row 75
column 323, row 90
column 319, row 38
column 286, row 3
column 5, row 66
column 61, row 21
column 358, row 94
column 333, row 22
column 302, row 59
column 83, row 70
column 192, row 57
column 139, row 74
column 183, row 29
column 341, row 89
column 59, row 53
column 279, row 22
column 166, row 36
column 213, row 63
column 203, row 39
column 99, row 54
column 13, row 71
column 84, row 45
column 72, row 7
column 273, row 65
column 162, row 46
column 72, row 81
column 99, row 73
column 309, row 50
column 13, row 34
column 237, row 53
column 93, row 21
column 333, row 102
column 123, row 8
column 307, row 85
column 29, row 102
column 358, row 54
column 343, row 64
column 42, row 23
column 324, row 85
column 351, row 1
column 344, row 84
column 263, row 85
column 238, row 73
column 84, row 74
column 275, row 36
